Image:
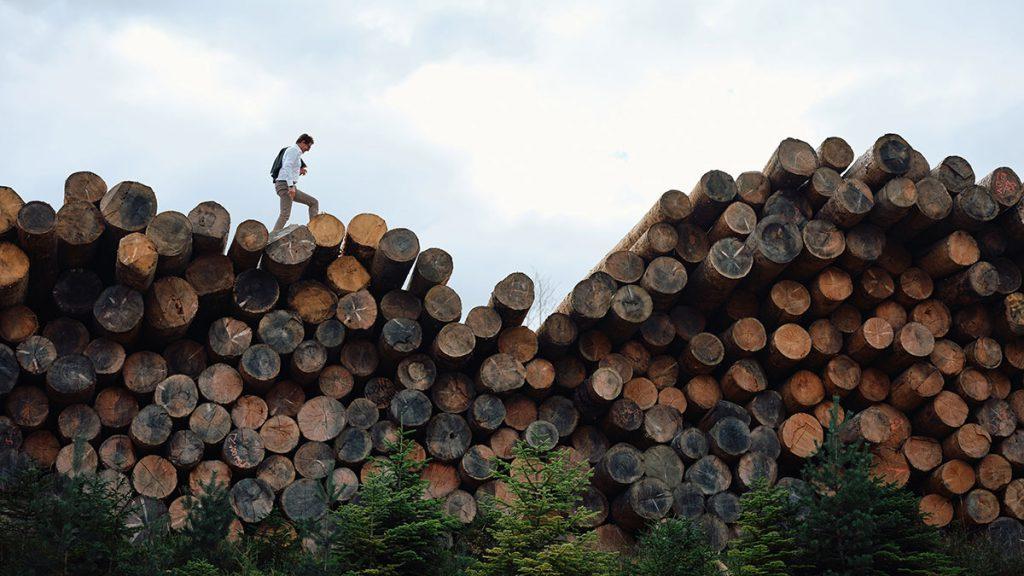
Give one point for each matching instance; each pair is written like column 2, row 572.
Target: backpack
column 275, row 168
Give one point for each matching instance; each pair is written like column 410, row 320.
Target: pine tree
column 542, row 529
column 674, row 547
column 391, row 529
column 855, row 524
column 766, row 545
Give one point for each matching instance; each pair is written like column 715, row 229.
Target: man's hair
column 305, row 139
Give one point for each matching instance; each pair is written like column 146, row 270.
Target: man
column 285, row 172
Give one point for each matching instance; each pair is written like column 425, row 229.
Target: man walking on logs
column 287, row 168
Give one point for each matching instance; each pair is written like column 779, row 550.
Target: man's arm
column 290, row 166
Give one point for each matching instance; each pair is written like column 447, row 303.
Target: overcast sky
column 522, row 136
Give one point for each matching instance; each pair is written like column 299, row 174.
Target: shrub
column 673, row 547
column 855, row 524
column 53, row 524
column 391, row 528
column 542, row 529
column 766, row 545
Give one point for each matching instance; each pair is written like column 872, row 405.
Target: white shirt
column 290, row 164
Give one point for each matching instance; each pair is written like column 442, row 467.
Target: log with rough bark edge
column 417, row 372
column 835, row 153
column 934, row 315
column 304, row 500
column 660, row 239
column 393, row 258
column 692, row 246
column 800, row 435
column 786, row 301
column 433, row 267
column 772, row 245
column 703, row 353
column 952, row 478
column 822, row 185
column 84, row 187
column 869, row 340
column 934, row 204
column 753, row 188
column 210, row 422
column 71, row 378
column 663, row 280
column 17, row 323
column 79, row 226
column 893, row 202
column 357, row 311
column 830, row 288
column 259, row 366
column 447, row 437
column 14, row 275
column 914, row 385
column 154, row 476
column 941, row 414
column 213, row 278
column 969, row 286
column 955, row 173
column 128, row 207
column 288, row 253
column 227, row 339
column 362, row 413
column 171, row 233
column 787, row 345
column 791, row 164
column 1013, row 499
column 949, row 255
column 973, row 386
column 737, row 220
column 889, row 157
column 107, row 358
column 996, row 417
column 864, row 245
column 441, row 305
column 744, row 337
column 623, row 267
column 32, row 358
column 177, row 395
column 712, row 193
column 973, row 208
column 841, row 376
column 871, row 426
column 848, row 205
column 728, row 262
column 247, row 246
column 621, row 465
column 512, row 298
column 646, row 500
column 362, row 237
column 186, row 357
column 556, row 334
column 328, row 233
column 875, row 286
column 823, row 243
column 252, row 499
column 116, row 407
column 1004, row 185
column 170, row 306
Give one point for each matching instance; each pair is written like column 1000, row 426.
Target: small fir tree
column 55, row 524
column 391, row 529
column 855, row 524
column 766, row 545
column 542, row 529
column 673, row 547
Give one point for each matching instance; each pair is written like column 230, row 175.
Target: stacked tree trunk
column 703, row 352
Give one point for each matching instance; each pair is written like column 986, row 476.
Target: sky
column 518, row 136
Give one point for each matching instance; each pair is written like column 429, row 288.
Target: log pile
column 703, row 352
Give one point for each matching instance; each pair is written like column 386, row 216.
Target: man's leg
column 303, row 198
column 286, row 205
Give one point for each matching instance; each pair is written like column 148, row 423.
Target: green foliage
column 979, row 555
column 391, row 529
column 542, row 530
column 673, row 547
column 766, row 545
column 51, row 524
column 854, row 524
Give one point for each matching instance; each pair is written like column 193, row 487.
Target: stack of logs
column 702, row 353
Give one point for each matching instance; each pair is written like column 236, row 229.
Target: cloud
column 533, row 143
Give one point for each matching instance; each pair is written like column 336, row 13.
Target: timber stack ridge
column 700, row 354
